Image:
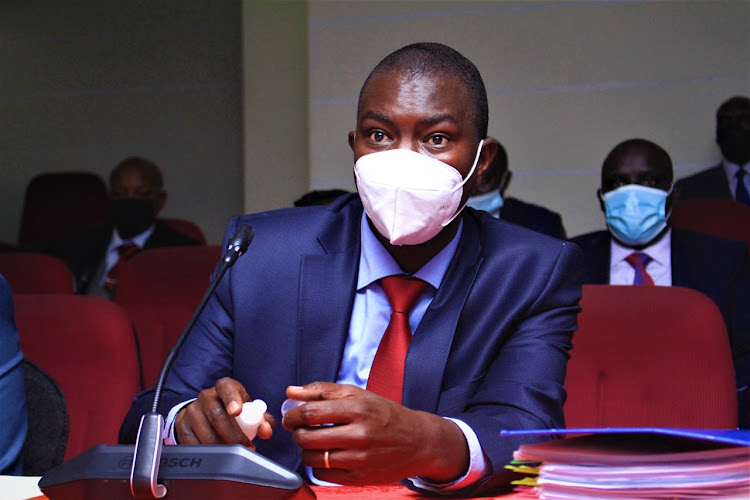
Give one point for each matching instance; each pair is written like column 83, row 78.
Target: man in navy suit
column 642, row 248
column 136, row 196
column 301, row 315
column 12, row 394
column 727, row 179
column 490, row 197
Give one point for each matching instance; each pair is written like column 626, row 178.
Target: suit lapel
column 431, row 344
column 680, row 273
column 597, row 249
column 327, row 282
column 603, row 266
column 93, row 252
column 719, row 185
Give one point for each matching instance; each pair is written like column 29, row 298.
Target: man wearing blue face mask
column 490, row 197
column 641, row 248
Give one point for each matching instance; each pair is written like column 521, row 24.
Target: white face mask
column 409, row 196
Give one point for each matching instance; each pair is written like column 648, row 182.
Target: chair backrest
column 87, row 344
column 47, row 436
column 724, row 218
column 186, row 227
column 34, row 272
column 57, row 204
column 8, row 247
column 160, row 288
column 650, row 356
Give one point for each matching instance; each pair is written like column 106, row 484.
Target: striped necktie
column 639, row 261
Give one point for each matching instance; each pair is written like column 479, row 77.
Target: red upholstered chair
column 160, row 288
column 32, row 272
column 87, row 344
column 724, row 218
column 60, row 203
column 186, row 227
column 650, row 356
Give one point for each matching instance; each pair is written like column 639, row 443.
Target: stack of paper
column 641, row 463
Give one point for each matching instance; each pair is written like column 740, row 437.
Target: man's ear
column 489, row 150
column 351, row 139
column 601, row 200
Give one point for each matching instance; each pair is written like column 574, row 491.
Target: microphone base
column 188, row 472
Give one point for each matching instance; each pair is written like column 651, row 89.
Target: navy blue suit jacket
column 532, row 216
column 12, row 394
column 716, row 267
column 711, row 183
column 491, row 349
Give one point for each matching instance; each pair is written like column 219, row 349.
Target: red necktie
column 126, row 251
column 387, row 372
column 639, row 261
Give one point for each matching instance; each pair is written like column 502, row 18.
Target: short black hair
column 738, row 101
column 428, row 58
column 655, row 154
column 149, row 170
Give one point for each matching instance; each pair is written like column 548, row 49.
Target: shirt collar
column 375, row 262
column 732, row 168
column 138, row 239
column 659, row 251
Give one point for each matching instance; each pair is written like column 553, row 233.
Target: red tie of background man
column 639, row 261
column 387, row 372
column 126, row 251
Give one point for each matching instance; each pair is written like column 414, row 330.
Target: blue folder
column 730, row 436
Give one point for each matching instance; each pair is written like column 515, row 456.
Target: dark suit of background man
column 490, row 197
column 636, row 196
column 302, row 313
column 136, row 196
column 730, row 179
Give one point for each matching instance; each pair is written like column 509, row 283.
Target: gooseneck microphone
column 187, row 471
column 236, row 247
column 148, row 444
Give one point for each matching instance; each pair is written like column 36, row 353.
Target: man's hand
column 372, row 439
column 210, row 418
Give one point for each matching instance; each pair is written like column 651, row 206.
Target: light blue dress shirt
column 370, row 317
column 371, row 314
column 372, row 311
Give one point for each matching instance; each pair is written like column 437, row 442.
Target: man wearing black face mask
column 136, row 196
column 731, row 178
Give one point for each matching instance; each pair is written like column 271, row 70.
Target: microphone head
column 242, row 238
column 238, row 243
